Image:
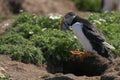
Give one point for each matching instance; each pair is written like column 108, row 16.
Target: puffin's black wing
column 96, row 38
column 93, row 34
column 90, row 31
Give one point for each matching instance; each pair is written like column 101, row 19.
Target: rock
column 110, row 76
column 2, row 75
column 117, row 68
column 60, row 78
column 2, row 72
column 113, row 71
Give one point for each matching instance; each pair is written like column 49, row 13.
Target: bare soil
column 20, row 71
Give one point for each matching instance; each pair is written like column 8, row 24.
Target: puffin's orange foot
column 83, row 55
column 76, row 52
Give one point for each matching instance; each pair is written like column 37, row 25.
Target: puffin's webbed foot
column 82, row 55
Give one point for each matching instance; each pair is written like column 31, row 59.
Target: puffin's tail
column 107, row 55
column 107, row 45
column 103, row 50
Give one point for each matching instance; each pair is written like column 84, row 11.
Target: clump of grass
column 33, row 39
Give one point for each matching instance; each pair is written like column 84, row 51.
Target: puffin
column 89, row 36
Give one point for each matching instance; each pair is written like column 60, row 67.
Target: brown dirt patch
column 20, row 71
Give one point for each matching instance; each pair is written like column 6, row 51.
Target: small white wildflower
column 34, row 16
column 44, row 29
column 4, row 27
column 91, row 14
column 75, row 37
column 54, row 29
column 111, row 19
column 21, row 11
column 97, row 21
column 53, row 16
column 7, row 24
column 31, row 32
column 102, row 20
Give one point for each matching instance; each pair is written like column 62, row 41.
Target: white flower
column 31, row 32
column 91, row 14
column 21, row 11
column 102, row 20
column 52, row 16
column 4, row 27
column 97, row 21
column 54, row 29
column 75, row 37
column 44, row 29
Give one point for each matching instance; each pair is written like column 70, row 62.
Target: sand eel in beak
column 88, row 35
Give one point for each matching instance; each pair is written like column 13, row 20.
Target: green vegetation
column 88, row 5
column 34, row 39
column 4, row 78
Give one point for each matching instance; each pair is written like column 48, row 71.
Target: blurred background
column 40, row 7
column 43, row 7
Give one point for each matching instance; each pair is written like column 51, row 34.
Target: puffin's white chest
column 77, row 30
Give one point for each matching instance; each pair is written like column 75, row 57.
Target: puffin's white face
column 67, row 20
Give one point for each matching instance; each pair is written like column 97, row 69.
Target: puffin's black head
column 67, row 21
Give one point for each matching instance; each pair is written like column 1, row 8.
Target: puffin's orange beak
column 63, row 25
